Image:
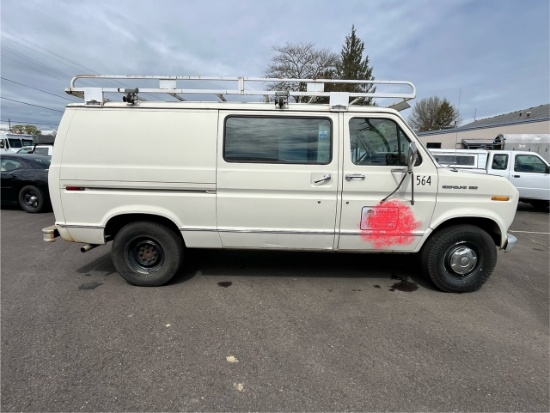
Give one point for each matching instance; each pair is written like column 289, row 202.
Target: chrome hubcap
column 462, row 260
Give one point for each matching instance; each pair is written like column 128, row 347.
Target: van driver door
column 378, row 210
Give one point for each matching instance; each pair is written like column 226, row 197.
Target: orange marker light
column 500, row 198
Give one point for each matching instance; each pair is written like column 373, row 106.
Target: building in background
column 482, row 133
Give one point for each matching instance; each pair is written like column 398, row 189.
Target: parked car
column 25, row 181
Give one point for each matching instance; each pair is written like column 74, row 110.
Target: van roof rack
column 168, row 85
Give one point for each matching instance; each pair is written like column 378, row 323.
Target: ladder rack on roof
column 168, row 85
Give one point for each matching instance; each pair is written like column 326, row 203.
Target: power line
column 57, row 58
column 30, row 104
column 27, row 122
column 33, row 68
column 21, row 56
column 40, row 90
column 36, row 46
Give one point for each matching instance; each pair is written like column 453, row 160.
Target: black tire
column 460, row 258
column 147, row 254
column 31, row 199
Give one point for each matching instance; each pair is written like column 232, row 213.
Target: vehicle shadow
column 239, row 263
column 228, row 263
column 523, row 206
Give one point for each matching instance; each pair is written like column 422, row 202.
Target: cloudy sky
column 487, row 57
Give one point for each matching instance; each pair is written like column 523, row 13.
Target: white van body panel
column 455, row 199
column 216, row 204
column 131, row 177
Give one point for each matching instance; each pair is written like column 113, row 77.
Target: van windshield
column 15, row 142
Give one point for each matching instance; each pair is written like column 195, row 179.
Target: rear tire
column 459, row 258
column 147, row 254
column 31, row 199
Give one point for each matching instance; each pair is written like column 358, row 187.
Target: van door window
column 378, row 142
column 279, row 140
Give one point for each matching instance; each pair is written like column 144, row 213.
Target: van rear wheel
column 147, row 254
column 460, row 258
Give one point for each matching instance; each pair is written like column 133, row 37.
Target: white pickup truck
column 528, row 171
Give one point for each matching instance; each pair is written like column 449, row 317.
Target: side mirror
column 412, row 156
column 1, row 144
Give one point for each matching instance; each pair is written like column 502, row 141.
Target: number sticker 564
column 423, row 180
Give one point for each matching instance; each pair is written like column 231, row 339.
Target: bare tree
column 300, row 61
column 433, row 114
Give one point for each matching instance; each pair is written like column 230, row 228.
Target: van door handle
column 517, row 176
column 326, row 177
column 354, row 176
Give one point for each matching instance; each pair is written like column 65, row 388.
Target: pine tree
column 352, row 66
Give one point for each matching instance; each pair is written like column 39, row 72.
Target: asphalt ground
column 269, row 331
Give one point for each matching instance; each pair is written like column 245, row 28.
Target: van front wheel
column 459, row 258
column 147, row 254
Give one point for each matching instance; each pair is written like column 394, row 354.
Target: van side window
column 529, row 163
column 254, row 139
column 378, row 142
column 500, row 161
column 463, row 160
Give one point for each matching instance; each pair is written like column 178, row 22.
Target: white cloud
column 494, row 54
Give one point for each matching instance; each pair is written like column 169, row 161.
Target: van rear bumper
column 50, row 233
column 511, row 241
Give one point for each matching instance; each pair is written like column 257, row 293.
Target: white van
column 286, row 176
column 12, row 142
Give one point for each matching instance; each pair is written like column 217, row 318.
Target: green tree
column 433, row 114
column 26, row 129
column 353, row 66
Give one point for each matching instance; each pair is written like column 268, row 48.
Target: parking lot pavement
column 257, row 331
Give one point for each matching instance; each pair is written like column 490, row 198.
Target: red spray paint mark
column 390, row 223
